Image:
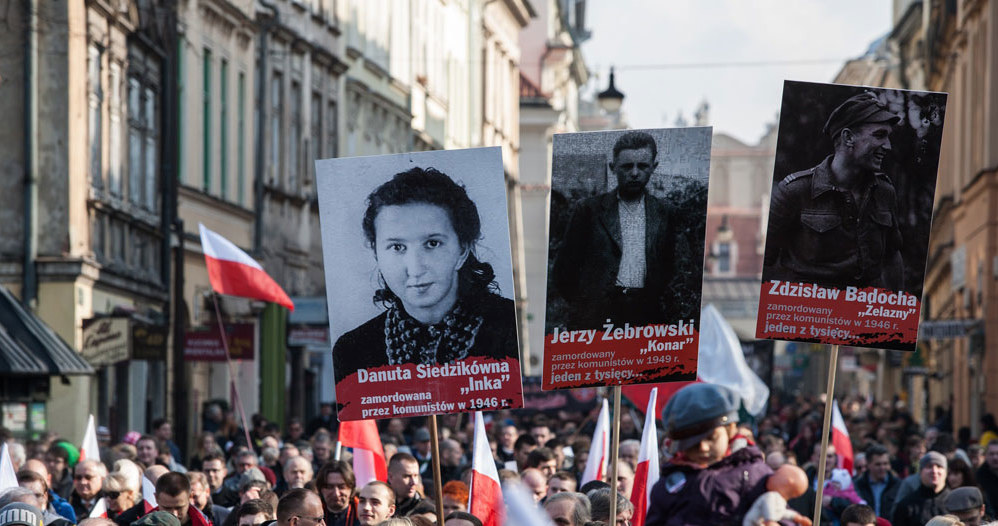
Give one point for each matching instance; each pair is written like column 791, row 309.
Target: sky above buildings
column 671, row 55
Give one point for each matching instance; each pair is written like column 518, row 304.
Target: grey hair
column 581, row 513
column 17, row 494
column 600, row 501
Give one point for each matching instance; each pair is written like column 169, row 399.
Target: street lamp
column 611, row 98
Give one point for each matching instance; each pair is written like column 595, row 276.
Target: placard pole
column 614, row 441
column 825, row 428
column 435, row 459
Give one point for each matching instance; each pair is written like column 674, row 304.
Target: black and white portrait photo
column 853, row 188
column 417, row 260
column 626, row 239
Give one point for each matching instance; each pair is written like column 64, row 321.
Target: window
column 95, row 100
column 135, row 125
column 331, row 137
column 181, row 82
column 276, row 118
column 114, row 163
column 97, row 235
column 294, row 152
column 724, row 263
column 143, row 143
column 241, row 137
column 223, row 128
column 315, row 127
column 206, row 120
column 150, row 130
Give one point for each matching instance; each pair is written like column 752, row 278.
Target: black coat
column 919, row 507
column 865, row 491
column 988, row 482
column 365, row 347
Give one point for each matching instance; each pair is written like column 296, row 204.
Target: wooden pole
column 825, row 428
column 614, row 449
column 238, row 402
column 435, row 459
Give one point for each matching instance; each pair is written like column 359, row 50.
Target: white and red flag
column 90, row 449
column 100, row 509
column 646, row 472
column 8, row 479
column 233, row 272
column 369, row 462
column 148, row 495
column 599, row 449
column 840, row 439
column 485, row 494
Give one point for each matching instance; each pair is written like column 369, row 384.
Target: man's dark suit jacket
column 865, row 490
column 585, row 268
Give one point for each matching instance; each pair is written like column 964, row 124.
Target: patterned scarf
column 410, row 341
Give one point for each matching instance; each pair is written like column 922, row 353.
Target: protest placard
column 625, row 256
column 849, row 218
column 419, row 283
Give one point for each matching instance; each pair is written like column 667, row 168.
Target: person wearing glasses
column 300, row 507
column 88, row 480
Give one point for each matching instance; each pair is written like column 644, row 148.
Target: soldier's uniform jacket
column 819, row 233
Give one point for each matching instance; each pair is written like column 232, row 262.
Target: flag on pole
column 232, row 271
column 840, row 439
column 368, row 454
column 148, row 495
column 100, row 509
column 599, row 449
column 89, row 449
column 646, row 472
column 8, row 479
column 485, row 494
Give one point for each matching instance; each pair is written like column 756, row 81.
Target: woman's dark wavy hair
column 431, row 186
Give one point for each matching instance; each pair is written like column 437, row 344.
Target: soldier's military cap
column 860, row 109
column 696, row 410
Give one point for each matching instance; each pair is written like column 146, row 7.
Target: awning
column 30, row 347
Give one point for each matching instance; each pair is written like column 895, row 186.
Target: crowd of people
column 715, row 464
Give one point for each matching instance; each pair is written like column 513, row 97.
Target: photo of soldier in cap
column 854, row 181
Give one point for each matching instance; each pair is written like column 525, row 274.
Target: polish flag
column 148, row 495
column 369, row 462
column 90, row 450
column 646, row 472
column 231, row 271
column 485, row 494
column 8, row 479
column 840, row 439
column 100, row 509
column 599, row 449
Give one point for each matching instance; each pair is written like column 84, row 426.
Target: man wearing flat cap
column 836, row 224
column 967, row 504
column 704, row 483
column 930, row 497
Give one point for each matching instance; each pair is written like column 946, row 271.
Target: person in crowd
column 326, row 419
column 700, row 420
column 173, row 495
column 989, row 429
column 59, row 467
column 33, row 483
column 252, row 488
column 858, row 515
column 879, row 485
column 163, row 430
column 461, row 518
column 560, row 482
column 205, row 444
column 521, row 450
column 300, row 507
column 57, row 504
column 297, row 472
column 404, row 481
column 976, row 455
column 120, row 494
column 421, row 448
column 455, row 495
column 543, row 460
column 600, row 506
column 214, row 469
column 88, row 479
column 928, row 500
column 322, row 450
column 336, row 483
column 451, row 460
column 16, row 513
column 568, row 509
column 541, row 431
column 967, row 504
column 254, row 513
column 629, row 450
column 201, row 498
column 987, row 476
column 536, row 483
column 507, row 439
column 296, row 431
column 960, row 474
column 625, row 478
column 376, row 502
